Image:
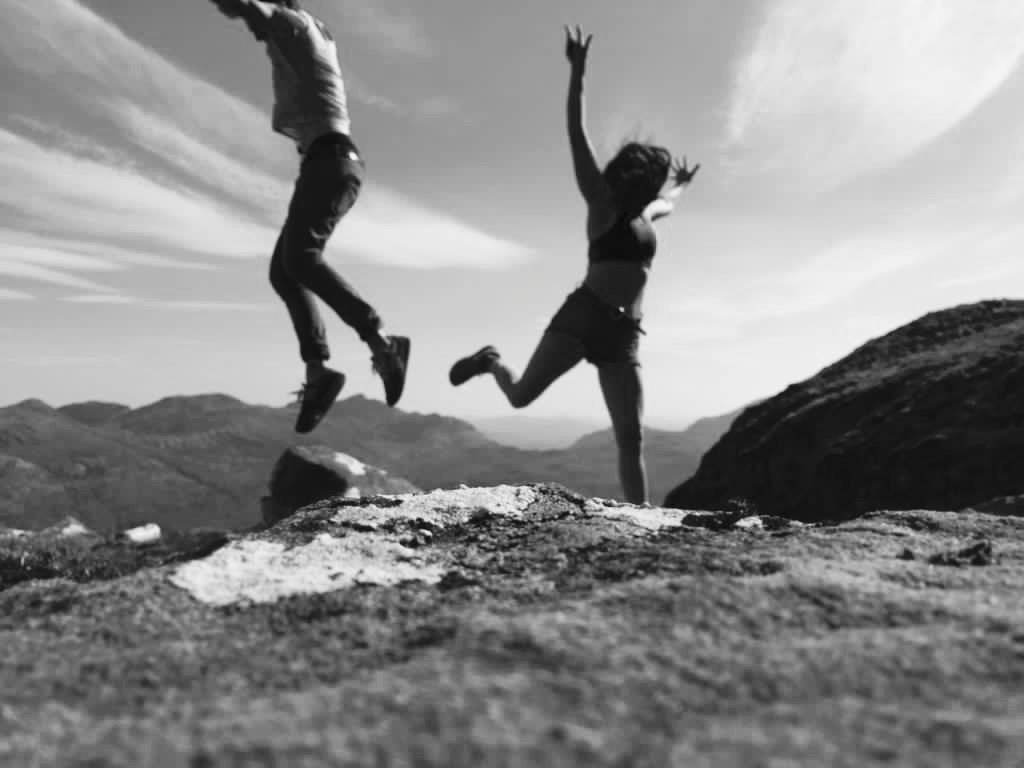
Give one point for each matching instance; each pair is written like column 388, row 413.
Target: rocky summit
column 930, row 415
column 521, row 625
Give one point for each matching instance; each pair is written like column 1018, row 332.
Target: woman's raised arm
column 593, row 187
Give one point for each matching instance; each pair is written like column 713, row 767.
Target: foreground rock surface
column 930, row 415
column 523, row 625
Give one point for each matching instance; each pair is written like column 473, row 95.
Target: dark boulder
column 304, row 475
column 928, row 416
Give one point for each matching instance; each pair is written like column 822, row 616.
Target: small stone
column 978, row 553
column 456, row 580
column 480, row 515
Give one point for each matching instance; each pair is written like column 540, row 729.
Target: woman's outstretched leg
column 623, row 394
column 556, row 354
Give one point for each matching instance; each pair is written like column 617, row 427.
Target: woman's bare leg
column 556, row 354
column 624, row 396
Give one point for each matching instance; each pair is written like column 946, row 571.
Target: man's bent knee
column 302, row 265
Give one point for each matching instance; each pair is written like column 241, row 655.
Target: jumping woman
column 600, row 321
column 310, row 108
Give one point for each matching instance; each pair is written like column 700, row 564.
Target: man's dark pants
column 330, row 178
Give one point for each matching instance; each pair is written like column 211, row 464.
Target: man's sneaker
column 316, row 398
column 391, row 366
column 474, row 365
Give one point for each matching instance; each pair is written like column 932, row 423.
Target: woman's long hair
column 637, row 172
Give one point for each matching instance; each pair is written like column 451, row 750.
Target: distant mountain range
column 535, row 433
column 204, row 461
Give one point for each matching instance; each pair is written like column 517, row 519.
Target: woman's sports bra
column 629, row 239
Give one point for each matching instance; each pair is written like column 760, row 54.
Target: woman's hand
column 576, row 48
column 682, row 175
column 229, row 8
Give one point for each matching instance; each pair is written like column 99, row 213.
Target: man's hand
column 255, row 13
column 682, row 175
column 576, row 48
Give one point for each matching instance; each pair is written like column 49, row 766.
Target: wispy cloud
column 6, row 294
column 213, row 306
column 985, row 276
column 86, row 199
column 32, row 272
column 184, row 172
column 829, row 90
column 390, row 30
column 58, row 260
column 67, row 360
column 120, row 299
column 423, row 107
column 823, row 278
column 49, row 265
column 100, row 298
column 390, row 230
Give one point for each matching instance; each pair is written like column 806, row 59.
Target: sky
column 862, row 163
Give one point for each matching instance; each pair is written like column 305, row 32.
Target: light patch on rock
column 262, row 571
column 143, row 534
column 259, row 571
column 443, row 508
column 352, row 492
column 651, row 518
column 74, row 528
column 353, row 465
column 13, row 533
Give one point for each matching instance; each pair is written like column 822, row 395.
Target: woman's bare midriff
column 619, row 283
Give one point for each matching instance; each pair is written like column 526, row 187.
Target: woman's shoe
column 474, row 365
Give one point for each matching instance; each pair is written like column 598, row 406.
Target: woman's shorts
column 607, row 333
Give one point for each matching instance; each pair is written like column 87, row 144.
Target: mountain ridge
column 927, row 415
column 188, row 460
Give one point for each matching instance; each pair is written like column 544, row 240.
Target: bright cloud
column 830, row 90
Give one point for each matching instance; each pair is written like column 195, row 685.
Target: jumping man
column 310, row 107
